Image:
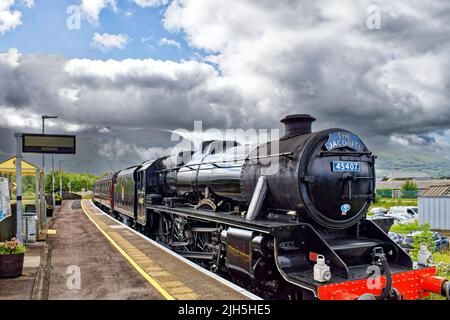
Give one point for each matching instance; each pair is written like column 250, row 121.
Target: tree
column 78, row 181
column 409, row 189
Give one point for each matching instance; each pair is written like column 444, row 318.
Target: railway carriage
column 103, row 192
column 125, row 194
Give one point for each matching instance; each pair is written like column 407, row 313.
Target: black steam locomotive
column 296, row 231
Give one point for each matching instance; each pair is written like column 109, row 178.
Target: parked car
column 398, row 239
column 403, row 214
column 378, row 215
column 401, row 218
column 441, row 242
column 378, row 211
column 411, row 211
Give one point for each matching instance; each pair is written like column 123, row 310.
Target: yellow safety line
column 147, row 277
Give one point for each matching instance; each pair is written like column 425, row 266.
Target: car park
column 403, row 214
column 378, row 211
column 403, row 210
column 441, row 242
column 397, row 238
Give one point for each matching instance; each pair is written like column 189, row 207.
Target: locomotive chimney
column 297, row 124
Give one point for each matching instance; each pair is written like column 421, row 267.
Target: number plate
column 346, row 166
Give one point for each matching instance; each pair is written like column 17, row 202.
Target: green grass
column 388, row 202
column 442, row 261
column 442, row 257
column 405, row 228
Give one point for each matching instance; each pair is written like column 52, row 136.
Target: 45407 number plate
column 346, row 166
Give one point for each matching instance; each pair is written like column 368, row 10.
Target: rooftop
column 421, row 184
column 407, row 175
column 437, row 191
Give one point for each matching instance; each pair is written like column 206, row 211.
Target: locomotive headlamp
column 322, row 271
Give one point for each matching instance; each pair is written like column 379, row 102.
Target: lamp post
column 60, row 176
column 45, row 117
column 53, row 182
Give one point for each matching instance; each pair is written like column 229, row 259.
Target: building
column 396, row 186
column 407, row 175
column 434, row 207
column 395, row 180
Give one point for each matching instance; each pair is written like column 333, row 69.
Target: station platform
column 90, row 256
column 174, row 277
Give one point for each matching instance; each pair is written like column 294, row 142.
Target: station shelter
column 8, row 169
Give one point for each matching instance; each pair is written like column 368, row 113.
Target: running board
column 196, row 255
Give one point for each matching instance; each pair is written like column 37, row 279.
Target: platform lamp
column 60, row 175
column 45, row 117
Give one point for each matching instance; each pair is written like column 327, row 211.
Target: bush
column 425, row 237
column 405, row 227
column 58, row 197
column 12, row 247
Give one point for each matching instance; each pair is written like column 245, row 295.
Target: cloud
column 150, row 3
column 10, row 58
column 261, row 61
column 413, row 140
column 116, row 148
column 107, row 42
column 93, row 8
column 71, row 94
column 320, row 58
column 130, row 93
column 9, row 17
column 169, row 42
column 28, row 3
column 13, row 118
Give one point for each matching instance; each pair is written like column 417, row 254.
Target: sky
column 120, row 73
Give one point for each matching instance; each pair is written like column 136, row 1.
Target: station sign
column 48, row 143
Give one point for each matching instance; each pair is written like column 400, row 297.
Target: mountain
column 90, row 159
column 402, row 160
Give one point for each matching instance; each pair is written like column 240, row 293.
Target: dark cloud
column 267, row 59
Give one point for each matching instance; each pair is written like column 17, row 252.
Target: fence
column 396, row 193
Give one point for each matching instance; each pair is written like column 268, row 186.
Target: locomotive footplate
column 264, row 226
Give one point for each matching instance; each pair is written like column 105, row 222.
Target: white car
column 378, row 211
column 411, row 211
column 403, row 214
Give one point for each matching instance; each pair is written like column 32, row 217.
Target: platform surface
column 84, row 266
column 171, row 276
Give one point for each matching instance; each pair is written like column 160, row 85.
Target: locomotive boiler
column 284, row 218
column 307, row 176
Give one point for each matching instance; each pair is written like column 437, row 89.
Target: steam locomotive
column 298, row 231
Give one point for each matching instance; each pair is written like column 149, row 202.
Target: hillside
column 401, row 160
column 89, row 159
